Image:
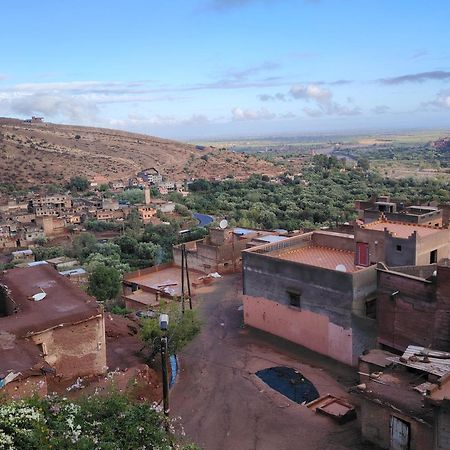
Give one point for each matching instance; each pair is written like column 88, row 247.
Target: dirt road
column 223, row 405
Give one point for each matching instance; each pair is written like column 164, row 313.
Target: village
column 373, row 296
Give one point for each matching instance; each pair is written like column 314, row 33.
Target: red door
column 362, row 254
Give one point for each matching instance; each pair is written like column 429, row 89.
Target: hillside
column 41, row 153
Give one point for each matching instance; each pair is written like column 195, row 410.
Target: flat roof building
column 308, row 289
column 40, row 307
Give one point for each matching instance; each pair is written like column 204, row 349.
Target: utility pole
column 183, row 293
column 163, row 325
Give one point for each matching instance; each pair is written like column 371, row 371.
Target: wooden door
column 362, row 254
column 399, row 434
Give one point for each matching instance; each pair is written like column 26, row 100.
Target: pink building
column 308, row 290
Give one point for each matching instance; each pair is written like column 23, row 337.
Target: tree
column 134, row 222
column 181, row 330
column 104, row 282
column 84, row 245
column 42, row 253
column 113, row 260
column 79, row 183
column 127, row 243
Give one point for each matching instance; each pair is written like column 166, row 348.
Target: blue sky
column 228, row 68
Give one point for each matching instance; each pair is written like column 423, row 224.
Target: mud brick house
column 221, row 250
column 406, row 406
column 413, row 306
column 63, row 331
column 308, row 290
column 400, row 244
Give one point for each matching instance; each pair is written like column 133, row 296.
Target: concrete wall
column 376, row 241
column 77, row 349
column 439, row 241
column 375, row 427
column 312, row 330
column 432, row 218
column 415, row 250
column 334, row 240
column 332, row 303
column 418, row 315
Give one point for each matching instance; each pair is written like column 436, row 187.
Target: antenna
column 223, row 224
column 39, row 296
column 341, row 268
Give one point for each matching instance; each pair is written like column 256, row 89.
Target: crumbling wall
column 75, row 349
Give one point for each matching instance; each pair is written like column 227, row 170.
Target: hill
column 41, row 153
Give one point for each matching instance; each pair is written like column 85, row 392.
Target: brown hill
column 41, row 153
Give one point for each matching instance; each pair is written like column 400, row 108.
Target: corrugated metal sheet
column 416, row 357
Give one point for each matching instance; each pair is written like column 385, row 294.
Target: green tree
column 78, row 183
column 84, row 245
column 181, row 330
column 104, row 282
column 113, row 260
column 43, row 253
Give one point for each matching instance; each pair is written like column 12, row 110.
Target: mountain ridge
column 45, row 153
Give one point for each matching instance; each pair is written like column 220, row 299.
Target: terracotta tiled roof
column 401, row 230
column 328, row 258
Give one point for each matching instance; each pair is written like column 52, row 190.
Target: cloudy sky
column 199, row 69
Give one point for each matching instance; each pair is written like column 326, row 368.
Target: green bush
column 98, row 422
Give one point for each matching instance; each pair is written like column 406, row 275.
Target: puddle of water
column 289, row 382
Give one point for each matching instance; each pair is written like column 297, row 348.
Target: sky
column 216, row 69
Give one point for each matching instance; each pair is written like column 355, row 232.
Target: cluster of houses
column 151, row 177
column 33, row 218
column 375, row 296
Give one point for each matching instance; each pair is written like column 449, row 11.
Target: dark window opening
column 371, row 308
column 294, row 299
column 433, row 257
column 398, row 248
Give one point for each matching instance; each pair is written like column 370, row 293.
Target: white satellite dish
column 223, row 224
column 341, row 268
column 39, row 296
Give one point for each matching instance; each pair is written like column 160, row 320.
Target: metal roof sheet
column 414, row 357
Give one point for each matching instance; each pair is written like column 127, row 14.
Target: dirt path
column 223, row 405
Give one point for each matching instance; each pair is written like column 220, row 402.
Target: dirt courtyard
column 222, row 404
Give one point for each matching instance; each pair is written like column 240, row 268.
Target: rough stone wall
column 75, row 350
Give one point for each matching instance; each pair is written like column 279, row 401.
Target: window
column 398, row 248
column 371, row 308
column 294, row 298
column 433, row 257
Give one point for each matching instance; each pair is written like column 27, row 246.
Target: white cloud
column 311, row 92
column 62, row 107
column 248, row 114
column 440, row 101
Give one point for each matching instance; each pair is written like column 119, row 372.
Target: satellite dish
column 39, row 296
column 341, row 268
column 223, row 224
